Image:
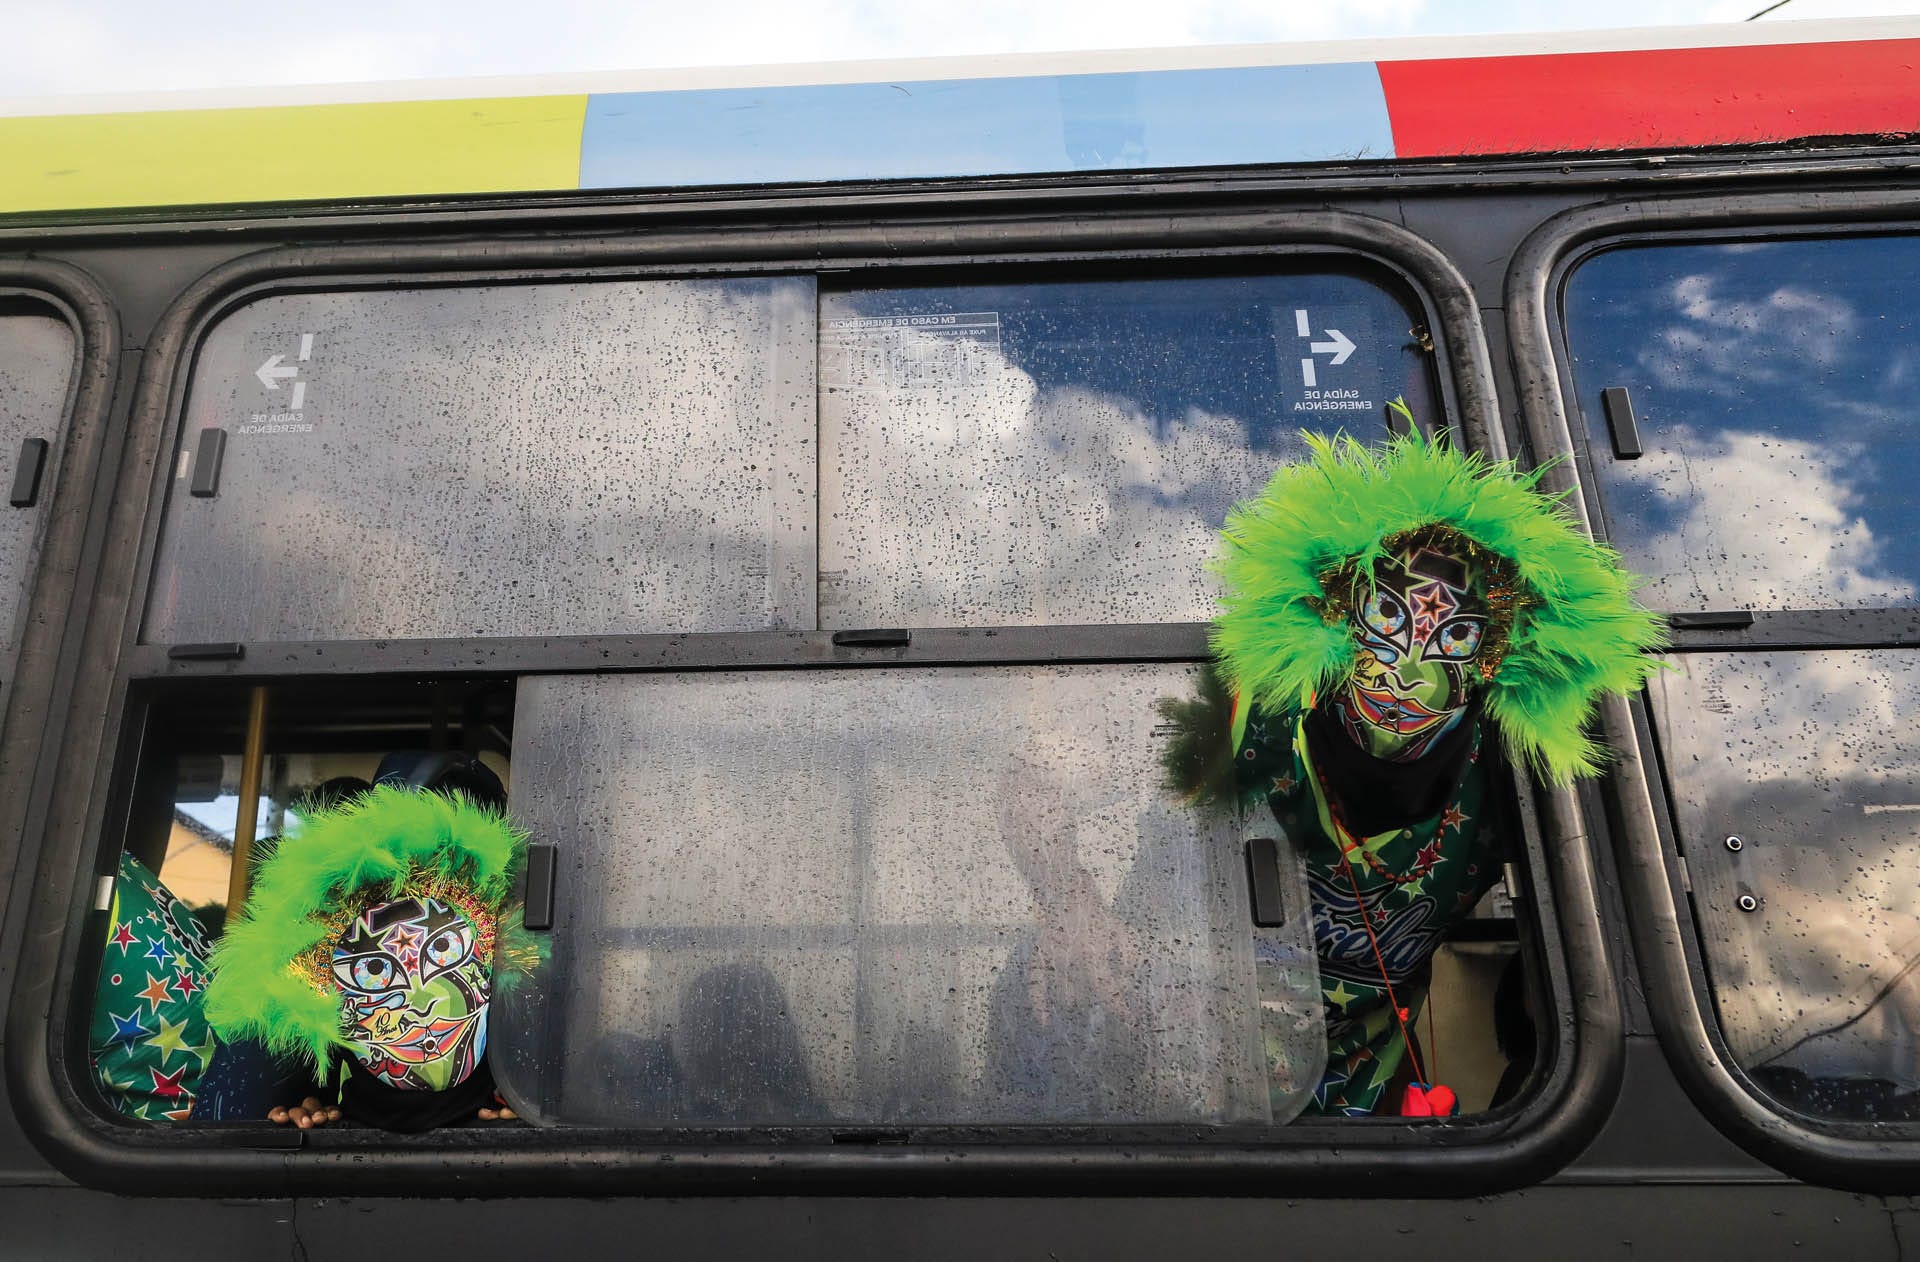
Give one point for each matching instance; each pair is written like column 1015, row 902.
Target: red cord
column 1348, row 843
column 1366, row 921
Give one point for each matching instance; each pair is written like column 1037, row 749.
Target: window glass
column 550, row 459
column 1794, row 795
column 887, row 896
column 1064, row 452
column 1773, row 386
column 37, row 351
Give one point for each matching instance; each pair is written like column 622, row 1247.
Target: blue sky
column 88, row 46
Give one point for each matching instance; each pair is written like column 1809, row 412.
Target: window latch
column 538, row 909
column 882, row 638
column 26, row 474
column 207, row 461
column 1263, row 883
column 1711, row 620
column 1618, row 405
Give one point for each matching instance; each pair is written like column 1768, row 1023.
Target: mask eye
column 1456, row 641
column 1383, row 614
column 447, row 949
column 369, row 974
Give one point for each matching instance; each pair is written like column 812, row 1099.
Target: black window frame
column 1868, row 1156
column 1582, row 1044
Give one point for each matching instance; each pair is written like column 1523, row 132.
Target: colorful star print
column 156, row 992
column 128, row 1029
column 1410, row 881
column 169, row 1040
column 168, row 1085
column 149, row 1042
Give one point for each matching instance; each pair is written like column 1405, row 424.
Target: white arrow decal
column 1340, row 347
column 271, row 372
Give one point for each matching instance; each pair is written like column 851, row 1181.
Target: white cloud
column 976, row 496
column 1744, row 520
column 1725, row 344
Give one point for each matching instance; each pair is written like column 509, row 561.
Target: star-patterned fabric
column 1413, row 882
column 149, row 1042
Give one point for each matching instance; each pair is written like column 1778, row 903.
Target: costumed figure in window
column 1383, row 606
column 373, row 940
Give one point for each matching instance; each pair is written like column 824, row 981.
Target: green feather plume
column 360, row 852
column 1577, row 632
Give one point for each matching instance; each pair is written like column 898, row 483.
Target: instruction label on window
column 1329, row 361
column 919, row 351
column 276, row 394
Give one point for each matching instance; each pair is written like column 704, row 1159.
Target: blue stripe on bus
column 863, row 131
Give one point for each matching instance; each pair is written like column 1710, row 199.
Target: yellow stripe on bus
column 290, row 153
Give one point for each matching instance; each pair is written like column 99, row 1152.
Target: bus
column 796, row 484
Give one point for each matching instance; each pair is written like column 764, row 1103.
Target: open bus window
column 499, row 460
column 1063, row 452
column 37, row 350
column 150, row 1049
column 1770, row 389
column 893, row 896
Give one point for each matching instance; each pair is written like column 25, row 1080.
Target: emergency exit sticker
column 1329, row 360
column 276, row 393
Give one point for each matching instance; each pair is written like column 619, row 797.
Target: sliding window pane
column 1772, row 385
column 1064, row 452
column 1794, row 793
column 892, row 896
column 501, row 460
column 37, row 352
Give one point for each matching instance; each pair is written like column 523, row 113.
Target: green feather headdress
column 1295, row 554
column 272, row 976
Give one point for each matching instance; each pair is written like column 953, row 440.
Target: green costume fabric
column 149, row 1042
column 1414, row 882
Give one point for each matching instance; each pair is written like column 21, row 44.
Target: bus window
column 1797, row 770
column 1062, row 452
column 947, row 895
column 1770, row 384
column 37, row 350
column 500, row 460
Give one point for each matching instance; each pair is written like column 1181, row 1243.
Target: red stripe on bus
column 1651, row 99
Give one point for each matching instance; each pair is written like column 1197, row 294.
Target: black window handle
column 541, row 864
column 882, row 638
column 1620, row 419
column 1263, row 882
column 207, row 461
column 1714, row 618
column 26, row 474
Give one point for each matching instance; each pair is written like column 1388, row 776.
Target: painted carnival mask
column 1426, row 641
column 415, row 976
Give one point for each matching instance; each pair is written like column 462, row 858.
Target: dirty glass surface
column 1810, row 917
column 1064, row 452
column 891, row 896
column 1773, row 384
column 37, row 350
column 537, row 459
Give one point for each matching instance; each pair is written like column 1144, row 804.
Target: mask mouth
column 1400, row 715
column 412, row 1037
